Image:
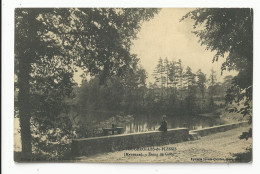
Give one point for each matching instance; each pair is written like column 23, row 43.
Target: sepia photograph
column 133, row 85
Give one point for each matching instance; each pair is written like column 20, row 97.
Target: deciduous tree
column 50, row 44
column 229, row 32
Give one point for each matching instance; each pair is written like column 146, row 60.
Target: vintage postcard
column 128, row 85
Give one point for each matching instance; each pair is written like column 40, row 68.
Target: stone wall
column 95, row 145
column 216, row 129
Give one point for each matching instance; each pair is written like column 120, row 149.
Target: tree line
column 176, row 90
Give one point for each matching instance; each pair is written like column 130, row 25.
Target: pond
column 143, row 123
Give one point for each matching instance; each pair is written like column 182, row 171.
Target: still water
column 144, row 123
column 150, row 123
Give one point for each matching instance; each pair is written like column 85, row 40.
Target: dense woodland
column 176, row 90
column 51, row 44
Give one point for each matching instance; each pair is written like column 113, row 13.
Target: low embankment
column 216, row 129
column 90, row 146
column 96, row 145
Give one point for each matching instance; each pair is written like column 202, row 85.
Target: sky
column 165, row 36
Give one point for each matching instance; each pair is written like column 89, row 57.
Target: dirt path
column 219, row 147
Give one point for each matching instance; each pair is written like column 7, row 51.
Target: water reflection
column 150, row 123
